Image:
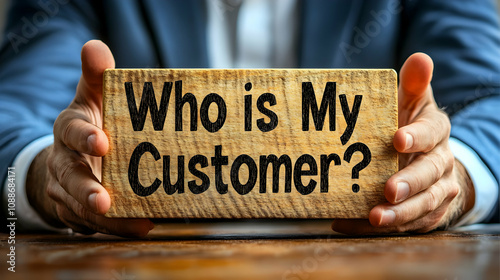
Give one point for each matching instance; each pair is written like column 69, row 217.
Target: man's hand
column 64, row 180
column 431, row 190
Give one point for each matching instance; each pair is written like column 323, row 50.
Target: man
column 436, row 187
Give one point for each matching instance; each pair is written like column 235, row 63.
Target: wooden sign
column 284, row 143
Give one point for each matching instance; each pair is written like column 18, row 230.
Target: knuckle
column 439, row 130
column 106, row 228
column 58, row 123
column 417, row 185
column 50, row 162
column 449, row 161
column 51, row 167
column 437, row 163
column 81, row 228
column 72, row 220
column 425, row 229
column 68, row 131
column 91, row 221
column 80, row 211
column 66, row 124
column 436, row 138
column 431, row 223
column 61, row 212
column 432, row 202
column 445, row 121
column 55, row 192
column 65, row 172
column 453, row 191
column 429, row 203
column 427, row 138
column 443, row 124
column 61, row 123
column 430, row 144
column 400, row 229
column 51, row 192
column 425, row 224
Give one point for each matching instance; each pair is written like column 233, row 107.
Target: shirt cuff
column 485, row 185
column 27, row 217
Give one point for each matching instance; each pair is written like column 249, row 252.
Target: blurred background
column 4, row 4
column 3, row 11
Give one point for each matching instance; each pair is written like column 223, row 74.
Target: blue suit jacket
column 40, row 55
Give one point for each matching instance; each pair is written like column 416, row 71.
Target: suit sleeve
column 463, row 39
column 39, row 69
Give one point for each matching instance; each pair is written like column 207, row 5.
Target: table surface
column 257, row 250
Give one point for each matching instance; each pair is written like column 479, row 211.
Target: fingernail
column 93, row 202
column 402, row 191
column 409, row 141
column 91, row 141
column 388, row 217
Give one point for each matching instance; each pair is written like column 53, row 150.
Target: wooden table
column 257, row 250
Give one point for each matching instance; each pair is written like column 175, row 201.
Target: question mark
column 367, row 157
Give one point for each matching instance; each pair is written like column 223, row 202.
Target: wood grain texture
column 257, row 249
column 375, row 127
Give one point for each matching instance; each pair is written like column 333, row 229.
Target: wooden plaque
column 264, row 143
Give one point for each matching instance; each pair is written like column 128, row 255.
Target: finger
column 415, row 207
column 81, row 220
column 414, row 86
column 358, row 227
column 90, row 222
column 78, row 134
column 96, row 57
column 416, row 74
column 64, row 204
column 424, row 133
column 422, row 173
column 76, row 178
column 68, row 218
column 427, row 223
column 363, row 227
column 120, row 226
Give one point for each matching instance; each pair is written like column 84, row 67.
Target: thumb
column 80, row 129
column 415, row 77
column 96, row 57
